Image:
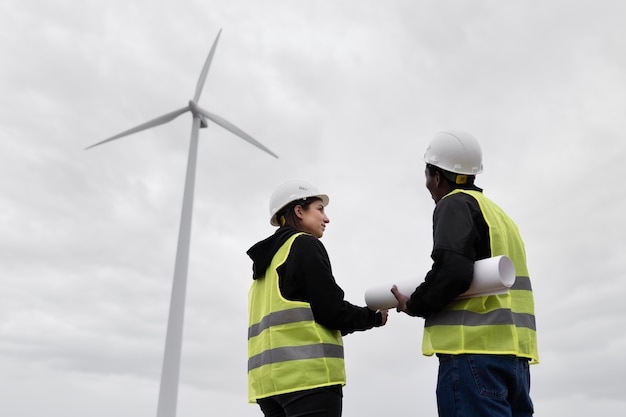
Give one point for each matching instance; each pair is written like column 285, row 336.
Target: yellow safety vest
column 496, row 324
column 287, row 350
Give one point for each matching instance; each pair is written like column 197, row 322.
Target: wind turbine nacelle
column 193, row 107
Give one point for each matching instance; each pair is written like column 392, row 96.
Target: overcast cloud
column 348, row 95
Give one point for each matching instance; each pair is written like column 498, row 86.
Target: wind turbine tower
column 168, row 391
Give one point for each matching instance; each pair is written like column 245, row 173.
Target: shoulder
column 460, row 197
column 457, row 203
column 308, row 247
column 307, row 242
column 308, row 254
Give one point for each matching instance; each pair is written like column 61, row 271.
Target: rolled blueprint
column 491, row 276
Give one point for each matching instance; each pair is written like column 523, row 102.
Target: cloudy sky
column 348, row 95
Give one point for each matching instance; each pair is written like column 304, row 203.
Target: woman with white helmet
column 297, row 312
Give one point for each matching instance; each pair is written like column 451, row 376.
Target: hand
column 402, row 300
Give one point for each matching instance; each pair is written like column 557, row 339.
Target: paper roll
column 381, row 298
column 491, row 276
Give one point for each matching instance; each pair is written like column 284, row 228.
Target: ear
column 298, row 211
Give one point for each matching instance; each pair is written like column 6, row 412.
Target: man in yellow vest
column 484, row 344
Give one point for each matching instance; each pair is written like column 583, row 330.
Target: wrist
column 378, row 318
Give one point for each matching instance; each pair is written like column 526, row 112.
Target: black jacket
column 460, row 237
column 307, row 276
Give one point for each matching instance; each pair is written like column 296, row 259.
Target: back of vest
column 287, row 350
column 497, row 324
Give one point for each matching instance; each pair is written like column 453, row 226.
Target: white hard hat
column 455, row 151
column 292, row 191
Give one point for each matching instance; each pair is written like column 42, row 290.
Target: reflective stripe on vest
column 496, row 317
column 292, row 353
column 287, row 350
column 292, row 315
column 496, row 324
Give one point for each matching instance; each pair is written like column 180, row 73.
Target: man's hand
column 402, row 300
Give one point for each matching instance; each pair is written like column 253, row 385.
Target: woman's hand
column 385, row 315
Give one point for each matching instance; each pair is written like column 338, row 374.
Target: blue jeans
column 317, row 402
column 483, row 385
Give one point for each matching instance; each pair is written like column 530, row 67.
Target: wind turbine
column 168, row 391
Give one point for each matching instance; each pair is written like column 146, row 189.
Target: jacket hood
column 263, row 252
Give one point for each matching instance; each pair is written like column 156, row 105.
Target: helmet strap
column 458, row 179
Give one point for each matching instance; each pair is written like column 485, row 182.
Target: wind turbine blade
column 205, row 69
column 234, row 129
column 152, row 123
